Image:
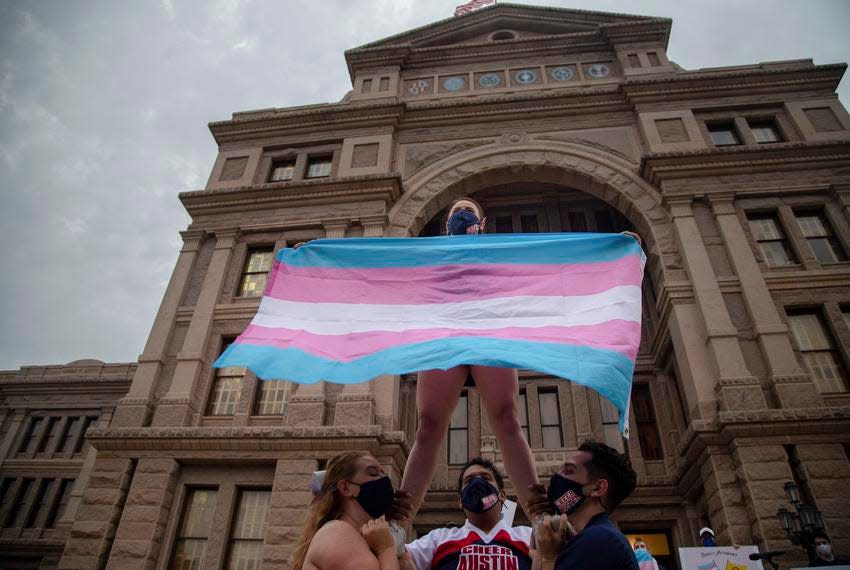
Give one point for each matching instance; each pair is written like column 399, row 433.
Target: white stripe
column 622, row 302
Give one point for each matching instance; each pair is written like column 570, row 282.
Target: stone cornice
column 748, row 80
column 330, row 116
column 411, row 48
column 659, row 167
column 386, row 187
column 244, row 438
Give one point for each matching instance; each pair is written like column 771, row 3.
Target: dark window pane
column 504, row 225
column 650, row 439
column 819, row 234
column 255, row 274
column 578, row 222
column 820, row 356
column 723, row 134
column 30, row 440
column 19, row 508
column 60, row 503
column 459, row 432
column 39, row 506
column 46, row 443
column 71, row 427
column 550, row 419
column 529, row 223
column 191, row 545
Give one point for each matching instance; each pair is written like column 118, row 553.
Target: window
column 611, row 424
column 40, row 503
column 820, row 236
column 30, row 441
column 578, row 222
column 529, row 223
column 818, row 350
column 634, row 60
column 227, row 386
column 282, row 170
column 67, row 443
column 246, row 542
column 550, row 418
column 273, row 395
column 771, row 240
column 256, row 272
column 18, row 513
column 654, row 61
column 503, row 35
column 366, row 87
column 647, row 427
column 191, row 545
column 60, row 503
column 723, row 134
column 764, row 130
column 522, row 407
column 319, row 167
column 459, row 432
column 81, row 443
column 504, row 225
column 46, row 444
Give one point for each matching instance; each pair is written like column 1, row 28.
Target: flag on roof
column 472, row 6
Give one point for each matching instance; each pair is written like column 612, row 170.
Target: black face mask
column 479, row 496
column 461, row 221
column 376, row 497
column 709, row 541
column 565, row 495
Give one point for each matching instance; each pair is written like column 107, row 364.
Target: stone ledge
column 242, row 438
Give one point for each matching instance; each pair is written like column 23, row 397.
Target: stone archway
column 602, row 175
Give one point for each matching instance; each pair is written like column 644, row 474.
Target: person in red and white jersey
column 486, row 541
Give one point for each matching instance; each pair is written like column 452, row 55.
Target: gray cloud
column 103, row 113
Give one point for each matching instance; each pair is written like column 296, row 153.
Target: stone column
column 176, row 408
column 726, row 507
column 149, row 502
column 307, row 407
column 584, row 429
column 736, row 387
column 135, row 407
column 762, row 471
column 94, row 528
column 290, row 498
column 827, row 470
column 793, row 387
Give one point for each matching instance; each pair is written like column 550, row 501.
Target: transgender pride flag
column 349, row 310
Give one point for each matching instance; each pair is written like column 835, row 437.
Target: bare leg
column 437, row 394
column 499, row 388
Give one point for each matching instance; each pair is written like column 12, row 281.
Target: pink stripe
column 449, row 283
column 617, row 335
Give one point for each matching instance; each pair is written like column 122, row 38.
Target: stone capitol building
column 555, row 120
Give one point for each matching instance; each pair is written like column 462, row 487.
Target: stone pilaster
column 336, row 228
column 134, row 409
column 355, row 405
column 736, row 387
column 140, row 532
column 176, row 408
column 11, row 435
column 726, row 507
column 827, row 470
column 762, row 471
column 584, row 429
column 289, row 502
column 373, row 226
column 94, row 528
column 307, row 407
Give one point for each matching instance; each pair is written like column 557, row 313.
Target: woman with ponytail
column 345, row 527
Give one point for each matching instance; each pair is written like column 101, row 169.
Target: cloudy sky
column 103, row 114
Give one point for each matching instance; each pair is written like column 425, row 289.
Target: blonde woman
column 345, row 528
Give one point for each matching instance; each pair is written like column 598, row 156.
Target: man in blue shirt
column 589, row 485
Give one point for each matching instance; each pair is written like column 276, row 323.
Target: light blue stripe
column 608, row 372
column 449, row 250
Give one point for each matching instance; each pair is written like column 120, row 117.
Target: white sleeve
column 422, row 550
